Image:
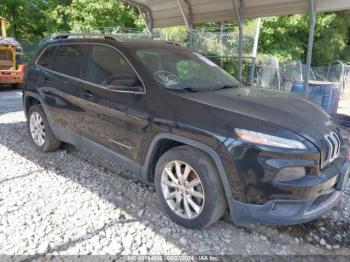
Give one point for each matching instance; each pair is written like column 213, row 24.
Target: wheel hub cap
column 182, row 189
column 37, row 128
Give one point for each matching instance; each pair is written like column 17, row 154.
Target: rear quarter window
column 45, row 58
column 69, row 59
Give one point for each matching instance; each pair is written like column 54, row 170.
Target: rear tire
column 176, row 173
column 40, row 131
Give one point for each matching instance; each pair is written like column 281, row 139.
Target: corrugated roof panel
column 167, row 12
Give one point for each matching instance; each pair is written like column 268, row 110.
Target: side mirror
column 129, row 83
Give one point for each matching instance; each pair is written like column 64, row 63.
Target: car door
column 114, row 119
column 61, row 84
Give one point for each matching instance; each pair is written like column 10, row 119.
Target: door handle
column 88, row 94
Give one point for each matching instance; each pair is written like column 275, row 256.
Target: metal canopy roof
column 165, row 13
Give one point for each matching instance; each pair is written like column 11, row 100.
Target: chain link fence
column 339, row 72
column 271, row 73
column 223, row 48
column 29, row 49
column 222, row 44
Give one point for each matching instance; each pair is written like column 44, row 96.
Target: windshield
column 181, row 69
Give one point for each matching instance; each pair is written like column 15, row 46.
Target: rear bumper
column 289, row 212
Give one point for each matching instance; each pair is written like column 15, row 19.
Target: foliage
column 177, row 34
column 92, row 14
column 287, row 37
column 32, row 20
column 28, row 19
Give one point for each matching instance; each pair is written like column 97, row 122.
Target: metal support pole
column 312, row 13
column 148, row 21
column 222, row 24
column 187, row 21
column 255, row 51
column 240, row 40
column 187, row 18
column 190, row 36
column 146, row 14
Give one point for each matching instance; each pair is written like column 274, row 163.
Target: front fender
column 146, row 169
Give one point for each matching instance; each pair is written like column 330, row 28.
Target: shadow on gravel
column 16, row 177
column 103, row 186
column 72, row 243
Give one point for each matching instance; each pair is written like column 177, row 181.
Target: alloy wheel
column 37, row 128
column 182, row 189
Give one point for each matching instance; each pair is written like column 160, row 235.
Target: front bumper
column 289, row 212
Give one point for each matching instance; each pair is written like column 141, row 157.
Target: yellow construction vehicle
column 11, row 54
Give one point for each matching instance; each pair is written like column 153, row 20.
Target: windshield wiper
column 187, row 89
column 191, row 89
column 226, row 87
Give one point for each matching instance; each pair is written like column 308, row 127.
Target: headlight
column 268, row 140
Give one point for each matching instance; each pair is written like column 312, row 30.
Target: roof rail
column 171, row 43
column 58, row 36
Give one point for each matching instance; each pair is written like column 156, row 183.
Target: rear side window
column 69, row 59
column 46, row 57
column 106, row 63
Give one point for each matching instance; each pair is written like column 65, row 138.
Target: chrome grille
column 333, row 141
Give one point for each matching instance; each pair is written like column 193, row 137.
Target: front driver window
column 105, row 64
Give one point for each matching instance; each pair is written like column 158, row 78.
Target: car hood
column 279, row 108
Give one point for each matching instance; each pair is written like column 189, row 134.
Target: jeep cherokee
column 174, row 118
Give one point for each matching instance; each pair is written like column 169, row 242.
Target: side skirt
column 113, row 156
column 132, row 169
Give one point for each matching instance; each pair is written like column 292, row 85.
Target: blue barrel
column 325, row 94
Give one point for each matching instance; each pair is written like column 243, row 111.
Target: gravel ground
column 68, row 203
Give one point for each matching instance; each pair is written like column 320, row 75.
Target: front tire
column 40, row 131
column 189, row 188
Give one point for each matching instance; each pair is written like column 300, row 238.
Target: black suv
column 176, row 119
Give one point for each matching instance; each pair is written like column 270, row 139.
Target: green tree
column 27, row 19
column 92, row 14
column 57, row 15
column 32, row 20
column 286, row 37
